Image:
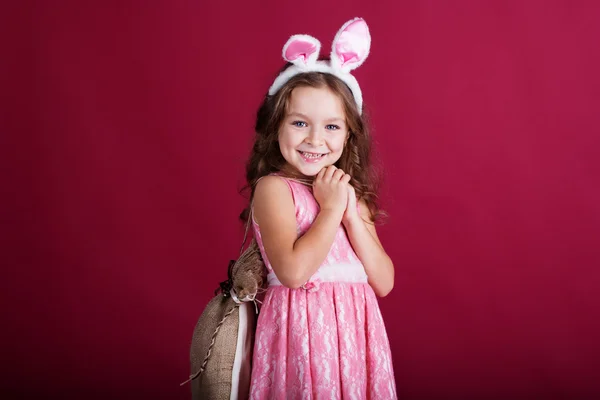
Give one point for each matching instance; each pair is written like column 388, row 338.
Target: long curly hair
column 356, row 158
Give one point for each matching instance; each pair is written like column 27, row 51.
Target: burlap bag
column 221, row 349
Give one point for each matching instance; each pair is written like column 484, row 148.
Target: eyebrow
column 333, row 119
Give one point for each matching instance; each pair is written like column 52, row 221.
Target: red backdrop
column 125, row 128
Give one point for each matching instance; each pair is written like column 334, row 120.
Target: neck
column 291, row 173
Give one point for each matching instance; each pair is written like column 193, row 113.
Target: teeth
column 311, row 155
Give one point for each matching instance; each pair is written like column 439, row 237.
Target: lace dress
column 326, row 340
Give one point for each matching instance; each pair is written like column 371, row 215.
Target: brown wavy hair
column 356, row 158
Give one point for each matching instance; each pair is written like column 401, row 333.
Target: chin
column 307, row 169
column 309, row 172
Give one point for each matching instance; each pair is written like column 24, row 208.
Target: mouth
column 311, row 157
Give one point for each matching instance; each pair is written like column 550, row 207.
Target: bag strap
column 226, row 285
column 248, row 222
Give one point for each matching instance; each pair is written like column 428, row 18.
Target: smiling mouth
column 312, row 156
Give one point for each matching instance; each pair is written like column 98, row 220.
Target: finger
column 329, row 173
column 346, row 178
column 321, row 174
column 338, row 175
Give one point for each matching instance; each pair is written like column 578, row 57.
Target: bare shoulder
column 275, row 214
column 271, row 189
column 272, row 197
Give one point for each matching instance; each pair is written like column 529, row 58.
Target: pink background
column 125, row 126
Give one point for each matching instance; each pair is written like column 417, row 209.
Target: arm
column 295, row 260
column 363, row 237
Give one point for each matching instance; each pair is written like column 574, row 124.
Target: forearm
column 310, row 250
column 378, row 265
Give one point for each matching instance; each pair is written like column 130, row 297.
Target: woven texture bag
column 221, row 349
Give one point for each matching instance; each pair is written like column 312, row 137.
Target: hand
column 330, row 189
column 351, row 214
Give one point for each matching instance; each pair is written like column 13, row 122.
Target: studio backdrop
column 125, row 128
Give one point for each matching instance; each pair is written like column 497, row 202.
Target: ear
column 351, row 45
column 301, row 50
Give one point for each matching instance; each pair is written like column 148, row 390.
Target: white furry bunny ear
column 349, row 50
column 301, row 50
column 351, row 45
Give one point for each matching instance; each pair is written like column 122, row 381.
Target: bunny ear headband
column 349, row 50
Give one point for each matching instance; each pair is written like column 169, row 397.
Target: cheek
column 338, row 144
column 286, row 143
column 282, row 138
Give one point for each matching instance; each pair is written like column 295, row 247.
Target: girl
column 320, row 333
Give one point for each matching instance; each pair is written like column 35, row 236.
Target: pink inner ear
column 299, row 49
column 353, row 43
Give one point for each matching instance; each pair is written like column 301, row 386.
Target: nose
column 315, row 137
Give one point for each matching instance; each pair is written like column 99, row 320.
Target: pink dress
column 326, row 340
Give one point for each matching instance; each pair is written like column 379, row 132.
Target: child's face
column 314, row 130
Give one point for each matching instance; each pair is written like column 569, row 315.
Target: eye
column 299, row 124
column 332, row 127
